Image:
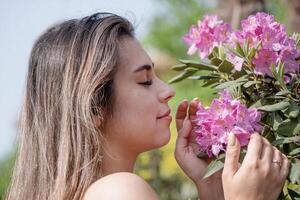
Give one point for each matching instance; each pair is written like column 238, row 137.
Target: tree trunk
column 294, row 15
column 233, row 11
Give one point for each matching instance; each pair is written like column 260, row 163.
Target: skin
column 136, row 128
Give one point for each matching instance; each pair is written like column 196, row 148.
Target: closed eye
column 146, row 83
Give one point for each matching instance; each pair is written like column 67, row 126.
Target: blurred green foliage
column 279, row 9
column 167, row 28
column 6, row 166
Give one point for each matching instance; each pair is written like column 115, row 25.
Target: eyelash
column 147, row 83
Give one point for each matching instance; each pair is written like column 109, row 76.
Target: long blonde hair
column 70, row 74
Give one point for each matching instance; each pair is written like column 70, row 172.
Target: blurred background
column 160, row 25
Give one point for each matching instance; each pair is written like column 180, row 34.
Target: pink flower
column 260, row 31
column 208, row 34
column 235, row 60
column 241, row 37
column 288, row 55
column 276, row 45
column 263, row 61
column 225, row 115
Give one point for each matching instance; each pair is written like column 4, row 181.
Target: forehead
column 131, row 55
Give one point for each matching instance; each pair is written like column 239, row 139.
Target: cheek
column 138, row 123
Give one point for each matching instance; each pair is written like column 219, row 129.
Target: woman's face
column 140, row 101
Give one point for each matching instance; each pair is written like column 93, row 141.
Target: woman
column 93, row 103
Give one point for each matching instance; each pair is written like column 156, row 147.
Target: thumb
column 232, row 156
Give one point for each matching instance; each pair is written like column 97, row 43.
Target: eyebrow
column 144, row 67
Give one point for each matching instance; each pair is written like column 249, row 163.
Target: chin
column 164, row 138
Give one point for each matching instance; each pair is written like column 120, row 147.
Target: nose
column 167, row 93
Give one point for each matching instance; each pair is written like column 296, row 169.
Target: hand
column 186, row 154
column 262, row 174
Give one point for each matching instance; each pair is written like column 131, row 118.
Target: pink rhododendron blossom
column 287, row 56
column 276, row 46
column 235, row 60
column 263, row 61
column 225, row 115
column 260, row 31
column 208, row 34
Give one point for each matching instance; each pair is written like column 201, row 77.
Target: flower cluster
column 225, row 115
column 259, row 66
column 276, row 45
column 209, row 33
column 260, row 31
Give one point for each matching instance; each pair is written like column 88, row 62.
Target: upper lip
column 165, row 114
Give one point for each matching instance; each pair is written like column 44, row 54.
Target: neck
column 117, row 159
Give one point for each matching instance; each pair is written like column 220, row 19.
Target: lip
column 166, row 115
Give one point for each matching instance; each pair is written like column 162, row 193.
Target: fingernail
column 231, row 139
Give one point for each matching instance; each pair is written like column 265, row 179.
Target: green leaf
column 214, row 53
column 289, row 127
column 179, row 67
column 249, row 83
column 199, row 65
column 296, row 37
column 278, row 74
column 275, row 107
column 274, row 71
column 235, row 83
column 237, row 74
column 283, row 93
column 258, row 103
column 221, row 52
column 276, row 120
column 288, row 140
column 216, row 61
column 251, row 53
column 294, row 175
column 191, row 69
column 182, row 76
column 240, row 50
column 281, row 70
column 234, row 51
column 246, row 47
column 294, row 152
column 292, row 111
column 203, row 77
column 211, row 83
column 213, row 167
column 226, row 66
column 229, row 84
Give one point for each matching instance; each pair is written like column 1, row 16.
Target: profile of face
column 141, row 116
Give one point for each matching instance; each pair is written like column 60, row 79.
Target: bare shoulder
column 122, row 185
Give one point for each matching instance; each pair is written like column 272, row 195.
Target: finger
column 181, row 114
column 285, row 168
column 277, row 161
column 254, row 148
column 232, row 156
column 193, row 110
column 182, row 137
column 267, row 151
